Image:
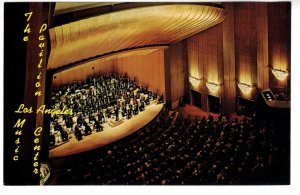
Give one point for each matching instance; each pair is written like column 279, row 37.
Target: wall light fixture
column 280, row 74
column 245, row 88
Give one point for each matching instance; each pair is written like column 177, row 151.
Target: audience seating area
column 174, row 150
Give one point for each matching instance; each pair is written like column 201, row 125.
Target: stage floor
column 108, row 135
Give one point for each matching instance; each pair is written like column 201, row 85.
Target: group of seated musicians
column 94, row 102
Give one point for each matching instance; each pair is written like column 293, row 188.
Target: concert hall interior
column 159, row 93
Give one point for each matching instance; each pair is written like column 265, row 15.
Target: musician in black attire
column 142, row 107
column 51, row 140
column 98, row 127
column 160, row 99
column 78, row 133
column 116, row 113
column 135, row 109
column 64, row 135
column 147, row 100
column 155, row 96
column 129, row 111
column 87, row 129
column 112, row 93
column 124, row 111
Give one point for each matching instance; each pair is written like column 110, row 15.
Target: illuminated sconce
column 194, row 81
column 212, row 87
column 280, row 74
column 245, row 88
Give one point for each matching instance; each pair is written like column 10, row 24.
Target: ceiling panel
column 66, row 7
column 138, row 27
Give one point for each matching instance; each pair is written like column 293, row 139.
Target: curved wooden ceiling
column 139, row 27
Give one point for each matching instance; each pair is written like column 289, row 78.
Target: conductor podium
column 113, row 123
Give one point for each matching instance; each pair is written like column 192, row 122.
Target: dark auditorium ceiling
column 66, row 7
column 127, row 29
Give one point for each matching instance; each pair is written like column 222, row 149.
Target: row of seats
column 174, row 150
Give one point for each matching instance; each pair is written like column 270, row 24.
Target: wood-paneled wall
column 229, row 62
column 82, row 72
column 178, row 71
column 253, row 37
column 262, row 46
column 245, row 45
column 147, row 69
column 279, row 15
column 205, row 61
